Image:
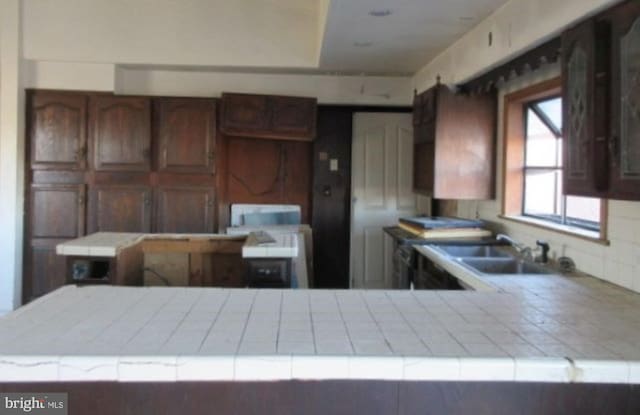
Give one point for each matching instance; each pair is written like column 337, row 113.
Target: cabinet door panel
column 45, row 269
column 185, row 210
column 57, row 211
column 120, row 128
column 578, row 77
column 294, row 117
column 186, row 132
column 625, row 138
column 116, row 208
column 58, row 131
column 244, row 113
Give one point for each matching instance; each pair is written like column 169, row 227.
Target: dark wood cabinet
column 185, row 210
column 57, row 211
column 583, row 164
column 267, row 116
column 454, row 144
column 625, row 102
column 294, row 117
column 601, row 97
column 120, row 130
column 58, row 136
column 186, row 130
column 119, row 208
column 269, row 171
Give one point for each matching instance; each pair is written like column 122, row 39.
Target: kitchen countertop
column 543, row 328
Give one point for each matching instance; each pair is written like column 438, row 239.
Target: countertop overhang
column 583, row 331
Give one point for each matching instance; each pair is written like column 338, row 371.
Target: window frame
column 514, row 163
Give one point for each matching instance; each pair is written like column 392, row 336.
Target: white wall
column 329, row 89
column 259, row 33
column 517, row 26
column 11, row 156
column 618, row 263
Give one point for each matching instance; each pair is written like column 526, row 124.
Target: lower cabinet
column 185, row 210
column 45, row 270
column 431, row 277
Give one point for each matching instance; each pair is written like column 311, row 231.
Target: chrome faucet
column 523, row 250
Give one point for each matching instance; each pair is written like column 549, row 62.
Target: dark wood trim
column 369, row 397
column 548, row 52
column 513, row 141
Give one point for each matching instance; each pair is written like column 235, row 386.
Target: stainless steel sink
column 474, row 251
column 504, row 266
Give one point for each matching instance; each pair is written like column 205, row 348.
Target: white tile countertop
column 545, row 328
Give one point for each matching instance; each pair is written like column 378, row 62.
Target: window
column 543, row 198
column 532, row 191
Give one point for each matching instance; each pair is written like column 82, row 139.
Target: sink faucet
column 521, row 249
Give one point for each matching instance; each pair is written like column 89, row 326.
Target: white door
column 381, row 189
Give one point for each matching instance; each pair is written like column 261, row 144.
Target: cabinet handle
column 146, row 153
column 210, row 203
column 211, row 155
column 147, row 201
column 81, row 200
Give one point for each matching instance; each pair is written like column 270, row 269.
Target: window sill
column 563, row 229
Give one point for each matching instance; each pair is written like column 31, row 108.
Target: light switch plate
column 333, row 165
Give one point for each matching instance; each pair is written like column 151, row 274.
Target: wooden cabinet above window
column 601, row 82
column 454, row 144
column 268, row 116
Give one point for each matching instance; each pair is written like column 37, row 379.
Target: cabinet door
column 57, row 127
column 578, row 112
column 625, row 137
column 185, row 210
column 256, row 170
column 293, row 117
column 186, row 129
column 119, row 208
column 244, row 114
column 57, row 211
column 120, row 130
column 45, row 270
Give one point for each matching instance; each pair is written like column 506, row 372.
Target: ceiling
column 373, row 37
column 411, row 34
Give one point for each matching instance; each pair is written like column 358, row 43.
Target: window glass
column 542, row 194
column 542, row 144
column 552, row 109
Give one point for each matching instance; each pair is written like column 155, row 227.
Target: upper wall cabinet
column 585, row 81
column 266, row 116
column 186, row 131
column 625, row 126
column 454, row 144
column 121, row 133
column 601, row 105
column 58, row 131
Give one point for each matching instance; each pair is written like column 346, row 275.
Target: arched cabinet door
column 58, row 137
column 120, row 129
column 625, row 128
column 185, row 135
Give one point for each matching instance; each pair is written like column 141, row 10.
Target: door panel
column 58, row 131
column 117, row 208
column 46, row 268
column 121, row 131
column 185, row 210
column 382, row 144
column 186, row 131
column 57, row 211
column 244, row 113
